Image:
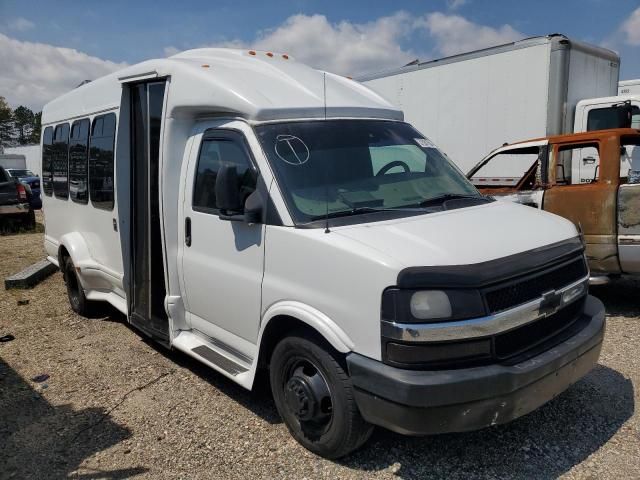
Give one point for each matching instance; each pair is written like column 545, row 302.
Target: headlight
column 418, row 306
column 430, row 305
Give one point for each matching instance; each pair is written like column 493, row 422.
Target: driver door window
column 577, row 164
column 215, row 152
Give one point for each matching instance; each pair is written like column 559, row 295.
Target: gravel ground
column 116, row 406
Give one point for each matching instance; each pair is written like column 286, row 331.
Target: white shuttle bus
column 262, row 216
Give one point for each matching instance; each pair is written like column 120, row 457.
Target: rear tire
column 29, row 220
column 75, row 292
column 314, row 397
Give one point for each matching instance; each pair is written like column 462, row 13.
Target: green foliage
column 20, row 126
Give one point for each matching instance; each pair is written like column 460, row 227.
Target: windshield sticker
column 424, row 142
column 292, row 150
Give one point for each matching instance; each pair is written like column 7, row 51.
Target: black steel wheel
column 314, row 397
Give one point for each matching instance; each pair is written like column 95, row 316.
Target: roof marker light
column 285, row 56
column 205, row 65
column 252, row 52
column 269, row 54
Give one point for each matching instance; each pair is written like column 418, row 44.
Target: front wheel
column 314, row 397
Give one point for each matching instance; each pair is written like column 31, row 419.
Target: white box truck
column 629, row 87
column 471, row 103
column 12, row 160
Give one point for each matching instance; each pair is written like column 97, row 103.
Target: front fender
column 317, row 320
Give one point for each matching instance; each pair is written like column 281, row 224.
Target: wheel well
column 282, row 326
column 63, row 254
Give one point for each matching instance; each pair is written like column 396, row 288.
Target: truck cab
column 591, row 178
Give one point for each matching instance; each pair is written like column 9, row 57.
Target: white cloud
column 352, row 49
column 455, row 4
column 20, row 24
column 35, row 73
column 345, row 48
column 454, row 34
column 170, row 50
column 631, row 29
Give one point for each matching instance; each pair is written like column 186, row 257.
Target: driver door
column 222, row 260
column 590, row 205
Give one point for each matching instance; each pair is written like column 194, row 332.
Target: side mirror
column 227, row 192
column 253, row 208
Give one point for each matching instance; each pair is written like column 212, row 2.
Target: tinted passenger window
column 60, row 161
column 612, row 117
column 213, row 154
column 101, row 147
column 47, row 154
column 78, row 166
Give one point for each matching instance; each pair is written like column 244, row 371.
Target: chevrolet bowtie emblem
column 551, row 301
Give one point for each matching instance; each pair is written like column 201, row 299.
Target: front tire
column 314, row 397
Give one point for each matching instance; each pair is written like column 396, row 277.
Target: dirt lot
column 116, row 406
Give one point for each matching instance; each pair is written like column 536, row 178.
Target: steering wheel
column 390, row 165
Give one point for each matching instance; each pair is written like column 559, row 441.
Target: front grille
column 529, row 288
column 528, row 336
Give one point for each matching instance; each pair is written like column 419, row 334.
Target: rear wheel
column 29, row 220
column 314, row 397
column 75, row 292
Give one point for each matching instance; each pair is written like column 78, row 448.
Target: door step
column 211, row 352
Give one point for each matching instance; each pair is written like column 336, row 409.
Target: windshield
column 348, row 167
column 16, row 173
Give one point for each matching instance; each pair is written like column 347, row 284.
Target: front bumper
column 428, row 402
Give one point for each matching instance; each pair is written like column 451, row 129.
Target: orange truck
column 591, row 178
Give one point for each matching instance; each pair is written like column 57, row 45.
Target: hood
column 463, row 236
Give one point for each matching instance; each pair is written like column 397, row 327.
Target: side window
column 4, row 177
column 612, row 117
column 101, row 148
column 47, row 154
column 506, row 169
column 60, row 161
column 577, row 164
column 215, row 152
column 630, row 159
column 78, row 157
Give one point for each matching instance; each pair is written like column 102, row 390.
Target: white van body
column 229, row 291
column 32, row 156
column 473, row 102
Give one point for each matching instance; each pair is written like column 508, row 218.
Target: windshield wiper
column 450, row 196
column 353, row 211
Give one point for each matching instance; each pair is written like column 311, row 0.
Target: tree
column 37, row 128
column 6, row 124
column 23, row 119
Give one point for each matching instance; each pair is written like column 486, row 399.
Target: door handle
column 187, row 231
column 588, row 160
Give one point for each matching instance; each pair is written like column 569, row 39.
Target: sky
column 48, row 47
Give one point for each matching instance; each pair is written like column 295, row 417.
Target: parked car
column 592, row 179
column 15, row 201
column 31, row 179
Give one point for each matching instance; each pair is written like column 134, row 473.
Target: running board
column 210, row 353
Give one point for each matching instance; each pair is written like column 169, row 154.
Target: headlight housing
column 431, row 305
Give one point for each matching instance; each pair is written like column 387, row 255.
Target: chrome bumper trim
column 475, row 327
